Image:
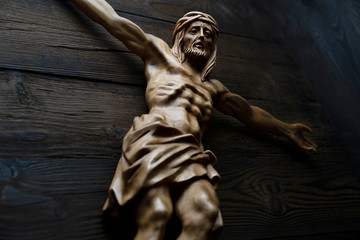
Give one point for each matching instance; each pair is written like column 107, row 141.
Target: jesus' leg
column 153, row 213
column 197, row 208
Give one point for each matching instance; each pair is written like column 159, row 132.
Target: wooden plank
column 348, row 235
column 74, row 110
column 60, row 138
column 56, row 38
column 326, row 37
column 57, row 102
column 267, row 180
column 250, row 20
column 285, row 85
column 40, row 101
column 60, row 142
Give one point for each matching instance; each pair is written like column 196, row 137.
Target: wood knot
column 6, row 171
column 275, row 198
column 115, row 132
column 23, row 93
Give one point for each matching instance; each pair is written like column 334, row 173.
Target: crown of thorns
column 191, row 17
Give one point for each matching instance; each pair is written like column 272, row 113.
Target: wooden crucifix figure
column 164, row 168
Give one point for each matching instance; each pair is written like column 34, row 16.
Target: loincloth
column 154, row 153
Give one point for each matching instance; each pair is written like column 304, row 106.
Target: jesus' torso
column 176, row 93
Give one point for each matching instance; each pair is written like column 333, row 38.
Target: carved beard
column 196, row 54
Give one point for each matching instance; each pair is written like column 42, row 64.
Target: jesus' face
column 198, row 40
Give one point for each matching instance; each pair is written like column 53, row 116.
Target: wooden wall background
column 325, row 37
column 69, row 92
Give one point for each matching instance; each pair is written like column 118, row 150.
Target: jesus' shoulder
column 158, row 53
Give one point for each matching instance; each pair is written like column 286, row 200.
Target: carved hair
column 178, row 36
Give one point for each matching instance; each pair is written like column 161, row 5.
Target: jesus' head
column 195, row 37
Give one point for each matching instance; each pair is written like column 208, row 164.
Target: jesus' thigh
column 153, row 212
column 198, row 208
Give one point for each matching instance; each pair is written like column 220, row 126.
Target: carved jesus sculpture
column 164, row 168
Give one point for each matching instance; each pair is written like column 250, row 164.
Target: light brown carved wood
column 47, row 141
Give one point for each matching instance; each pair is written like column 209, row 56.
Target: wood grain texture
column 325, row 37
column 69, row 134
column 69, row 92
column 348, row 235
column 249, row 21
column 65, row 42
column 60, row 142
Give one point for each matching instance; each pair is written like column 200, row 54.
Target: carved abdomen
column 195, row 100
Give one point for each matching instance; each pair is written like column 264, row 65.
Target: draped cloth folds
column 154, row 153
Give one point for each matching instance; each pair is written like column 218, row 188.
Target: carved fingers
column 297, row 137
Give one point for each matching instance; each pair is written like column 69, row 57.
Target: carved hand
column 296, row 136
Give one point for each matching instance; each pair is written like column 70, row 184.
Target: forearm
column 257, row 118
column 123, row 29
column 97, row 10
column 264, row 121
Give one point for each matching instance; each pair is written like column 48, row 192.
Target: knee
column 206, row 206
column 155, row 211
column 161, row 211
column 203, row 210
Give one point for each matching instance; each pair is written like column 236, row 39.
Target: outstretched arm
column 126, row 31
column 237, row 107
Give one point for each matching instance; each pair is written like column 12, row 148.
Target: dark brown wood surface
column 325, row 38
column 69, row 92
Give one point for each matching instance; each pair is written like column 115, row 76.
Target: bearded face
column 198, row 41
